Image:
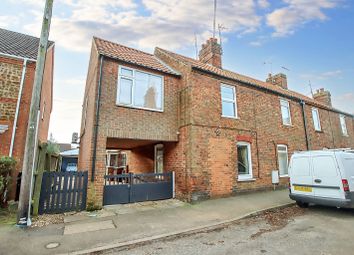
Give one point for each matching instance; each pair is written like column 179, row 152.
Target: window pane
column 316, row 119
column 227, row 93
column 285, row 113
column 282, row 161
column 141, row 76
column 125, row 91
column 228, row 109
column 154, row 93
column 141, row 86
column 242, row 156
column 343, row 125
column 126, row 72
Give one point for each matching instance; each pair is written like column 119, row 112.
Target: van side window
column 300, row 166
column 324, row 166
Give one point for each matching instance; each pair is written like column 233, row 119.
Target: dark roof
column 19, row 45
column 130, row 55
column 198, row 65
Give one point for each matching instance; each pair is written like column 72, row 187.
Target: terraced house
column 220, row 132
column 18, row 54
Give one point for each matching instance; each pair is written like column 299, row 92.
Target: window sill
column 228, row 117
column 284, row 176
column 287, row 125
column 319, row 131
column 138, row 108
column 246, row 180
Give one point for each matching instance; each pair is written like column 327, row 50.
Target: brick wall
column 10, row 77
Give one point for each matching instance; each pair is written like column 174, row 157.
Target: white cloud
column 6, row 21
column 169, row 24
column 344, row 102
column 287, row 19
column 263, row 3
column 333, row 74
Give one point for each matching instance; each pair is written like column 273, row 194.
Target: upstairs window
column 316, row 119
column 285, row 112
column 140, row 89
column 343, row 125
column 228, row 101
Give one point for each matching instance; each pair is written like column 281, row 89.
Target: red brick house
column 18, row 54
column 219, row 131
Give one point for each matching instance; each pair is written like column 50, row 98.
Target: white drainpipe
column 18, row 106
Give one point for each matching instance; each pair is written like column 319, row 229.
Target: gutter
column 268, row 90
column 24, row 67
column 302, row 103
column 96, row 121
column 16, row 57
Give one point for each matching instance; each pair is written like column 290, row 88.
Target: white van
column 323, row 177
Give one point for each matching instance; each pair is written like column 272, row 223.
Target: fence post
column 39, row 177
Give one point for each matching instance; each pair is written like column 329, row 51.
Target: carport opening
column 125, row 156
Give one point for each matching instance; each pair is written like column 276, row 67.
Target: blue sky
column 311, row 38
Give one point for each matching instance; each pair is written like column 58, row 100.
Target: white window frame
column 343, row 122
column 318, row 119
column 289, row 111
column 287, row 159
column 132, row 78
column 234, row 101
column 249, row 176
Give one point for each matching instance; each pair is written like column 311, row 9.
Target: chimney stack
column 278, row 80
column 211, row 53
column 323, row 96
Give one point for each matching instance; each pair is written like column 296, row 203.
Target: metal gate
column 131, row 188
column 63, row 192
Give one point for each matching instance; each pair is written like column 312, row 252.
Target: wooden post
column 31, row 138
column 39, row 177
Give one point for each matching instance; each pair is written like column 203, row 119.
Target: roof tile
column 130, row 55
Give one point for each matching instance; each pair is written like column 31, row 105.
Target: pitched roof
column 130, row 55
column 245, row 79
column 20, row 45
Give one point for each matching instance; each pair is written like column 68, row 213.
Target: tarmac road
column 317, row 230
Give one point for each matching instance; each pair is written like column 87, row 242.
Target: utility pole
column 24, row 204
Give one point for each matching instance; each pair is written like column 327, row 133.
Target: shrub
column 7, row 166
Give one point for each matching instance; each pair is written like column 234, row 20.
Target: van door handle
column 318, row 181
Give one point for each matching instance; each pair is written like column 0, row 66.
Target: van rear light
column 345, row 185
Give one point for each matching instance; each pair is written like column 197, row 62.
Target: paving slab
column 88, row 227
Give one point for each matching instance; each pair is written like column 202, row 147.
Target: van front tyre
column 302, row 204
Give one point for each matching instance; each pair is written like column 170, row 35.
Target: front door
column 158, row 161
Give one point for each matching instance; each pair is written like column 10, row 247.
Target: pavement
column 317, row 231
column 123, row 226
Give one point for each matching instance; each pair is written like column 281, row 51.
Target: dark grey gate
column 131, row 188
column 63, row 192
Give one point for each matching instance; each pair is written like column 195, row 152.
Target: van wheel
column 302, row 204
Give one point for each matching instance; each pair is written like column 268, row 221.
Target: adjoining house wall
column 10, row 78
column 46, row 103
column 211, row 168
column 88, row 113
